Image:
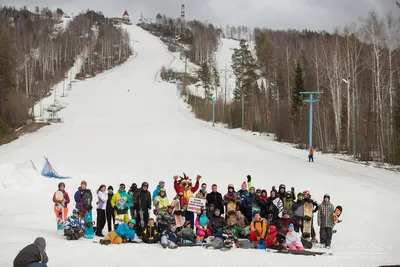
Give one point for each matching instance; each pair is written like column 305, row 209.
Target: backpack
column 87, row 199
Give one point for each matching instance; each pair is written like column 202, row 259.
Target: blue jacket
column 73, row 222
column 123, row 229
column 172, row 236
column 78, row 199
column 156, row 192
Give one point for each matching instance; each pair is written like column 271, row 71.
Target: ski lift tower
column 183, row 19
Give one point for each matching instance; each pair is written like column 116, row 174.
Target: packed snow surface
column 112, row 136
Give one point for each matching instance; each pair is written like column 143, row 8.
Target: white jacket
column 293, row 237
column 102, row 200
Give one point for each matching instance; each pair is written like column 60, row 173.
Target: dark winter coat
column 172, row 236
column 82, row 196
column 133, row 194
column 246, row 206
column 217, row 223
column 32, row 253
column 150, row 231
column 275, row 208
column 298, row 211
column 109, row 207
column 165, row 220
column 216, row 199
column 143, row 200
column 264, row 206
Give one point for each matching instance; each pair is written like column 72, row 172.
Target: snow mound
column 12, row 176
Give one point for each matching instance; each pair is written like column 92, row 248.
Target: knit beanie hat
column 110, row 187
column 291, row 226
column 328, row 196
column 244, row 184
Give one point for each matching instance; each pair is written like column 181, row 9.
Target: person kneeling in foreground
column 169, row 238
column 73, row 226
column 124, row 233
column 293, row 239
column 150, row 235
column 33, row 255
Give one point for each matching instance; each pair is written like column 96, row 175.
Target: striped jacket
column 325, row 212
column 73, row 222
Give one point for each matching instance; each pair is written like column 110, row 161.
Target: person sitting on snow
column 124, row 233
column 169, row 238
column 150, row 234
column 73, row 228
column 32, row 255
column 258, row 228
column 293, row 240
column 166, row 219
column 271, row 240
column 284, row 224
column 217, row 223
column 187, row 234
column 202, row 225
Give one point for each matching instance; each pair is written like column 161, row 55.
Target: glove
column 292, row 189
column 248, row 178
column 273, row 187
column 176, row 177
column 125, row 209
column 155, row 212
column 258, row 233
column 198, row 177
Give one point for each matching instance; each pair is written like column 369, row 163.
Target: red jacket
column 66, row 199
column 271, row 237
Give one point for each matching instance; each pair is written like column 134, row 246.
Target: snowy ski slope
column 110, row 135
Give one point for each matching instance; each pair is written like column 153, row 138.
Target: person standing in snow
column 215, row 198
column 109, row 209
column 275, row 206
column 132, row 193
column 325, row 221
column 298, row 212
column 63, row 203
column 203, row 191
column 121, row 202
column 247, row 204
column 33, row 255
column 156, row 191
column 101, row 209
column 160, row 202
column 83, row 198
column 308, row 199
column 143, row 207
column 311, row 155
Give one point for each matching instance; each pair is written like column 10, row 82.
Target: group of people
column 273, row 220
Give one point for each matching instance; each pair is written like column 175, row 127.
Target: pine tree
column 297, row 98
column 244, row 67
column 204, row 76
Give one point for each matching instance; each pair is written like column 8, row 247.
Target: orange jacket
column 312, row 151
column 261, row 226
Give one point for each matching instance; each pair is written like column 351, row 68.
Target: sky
column 273, row 14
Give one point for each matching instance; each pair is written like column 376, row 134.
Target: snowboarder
column 156, row 192
column 110, row 209
column 169, row 238
column 202, row 192
column 288, row 203
column 124, row 233
column 187, row 234
column 298, row 212
column 121, row 202
column 132, row 193
column 293, row 240
column 160, row 202
column 63, row 203
column 258, row 229
column 101, row 209
column 166, row 219
column 311, row 155
column 202, row 225
column 263, row 204
column 33, row 255
column 73, row 228
column 271, row 240
column 275, row 206
column 232, row 203
column 215, row 198
column 143, row 206
column 325, row 221
column 308, row 199
column 83, row 199
column 150, row 234
column 217, row 223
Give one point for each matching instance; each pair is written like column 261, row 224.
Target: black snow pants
column 110, row 221
column 325, row 234
column 101, row 221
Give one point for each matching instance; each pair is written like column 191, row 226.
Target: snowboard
column 307, row 221
column 304, row 252
column 59, row 207
column 335, row 217
column 307, row 244
column 177, row 213
column 89, row 223
column 230, row 212
column 119, row 218
column 244, row 243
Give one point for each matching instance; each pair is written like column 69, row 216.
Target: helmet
column 132, row 221
column 300, row 196
column 282, row 186
column 306, row 194
column 145, row 184
column 75, row 211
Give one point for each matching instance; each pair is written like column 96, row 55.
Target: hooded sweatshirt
column 121, row 198
column 32, row 253
column 160, row 203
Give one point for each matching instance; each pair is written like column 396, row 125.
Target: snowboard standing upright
column 336, row 215
column 178, row 213
column 307, row 221
column 230, row 212
column 88, row 219
column 60, row 209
